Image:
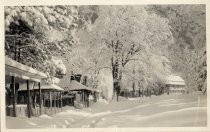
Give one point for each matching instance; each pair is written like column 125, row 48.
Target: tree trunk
column 117, row 76
column 116, row 66
column 133, row 95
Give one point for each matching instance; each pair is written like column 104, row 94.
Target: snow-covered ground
column 186, row 110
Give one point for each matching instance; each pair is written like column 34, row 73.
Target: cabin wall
column 176, row 89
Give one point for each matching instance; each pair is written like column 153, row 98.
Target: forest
column 139, row 45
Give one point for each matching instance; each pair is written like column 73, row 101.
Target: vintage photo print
column 108, row 66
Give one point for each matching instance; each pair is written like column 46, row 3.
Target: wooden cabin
column 15, row 74
column 77, row 94
column 125, row 93
column 51, row 98
column 27, row 94
column 175, row 85
column 80, row 94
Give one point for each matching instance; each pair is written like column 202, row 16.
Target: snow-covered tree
column 120, row 37
column 34, row 34
column 127, row 31
column 188, row 26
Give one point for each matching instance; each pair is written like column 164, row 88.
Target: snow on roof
column 53, row 80
column 175, row 80
column 74, row 85
column 52, row 86
column 14, row 68
column 32, row 86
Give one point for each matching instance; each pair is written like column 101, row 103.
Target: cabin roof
column 33, row 86
column 175, row 80
column 73, row 85
column 18, row 70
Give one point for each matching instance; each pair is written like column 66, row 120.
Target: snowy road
column 166, row 112
column 158, row 111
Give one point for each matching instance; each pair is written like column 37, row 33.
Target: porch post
column 14, row 95
column 50, row 101
column 40, row 99
column 54, row 104
column 57, row 102
column 28, row 99
column 82, row 94
column 84, row 97
column 61, row 100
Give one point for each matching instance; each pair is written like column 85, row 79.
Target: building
column 51, row 97
column 175, row 84
column 75, row 93
column 26, row 92
column 16, row 74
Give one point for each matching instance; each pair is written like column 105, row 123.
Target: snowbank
column 133, row 98
column 75, row 112
column 84, row 114
column 102, row 113
column 31, row 123
column 106, row 83
column 45, row 116
column 103, row 101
